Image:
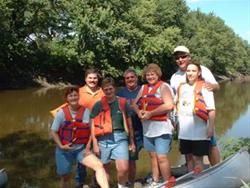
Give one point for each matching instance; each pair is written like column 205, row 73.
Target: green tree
column 59, row 39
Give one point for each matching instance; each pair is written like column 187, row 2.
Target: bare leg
column 122, row 171
column 198, row 162
column 154, row 166
column 164, row 166
column 94, row 163
column 189, row 161
column 65, row 181
column 214, row 155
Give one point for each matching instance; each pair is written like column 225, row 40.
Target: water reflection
column 241, row 127
column 27, row 109
column 28, row 153
column 232, row 101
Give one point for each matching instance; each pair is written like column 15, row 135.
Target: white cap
column 181, row 49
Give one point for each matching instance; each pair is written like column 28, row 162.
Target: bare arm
column 57, row 140
column 131, row 135
column 94, row 140
column 87, row 150
column 211, row 125
column 211, row 87
column 134, row 104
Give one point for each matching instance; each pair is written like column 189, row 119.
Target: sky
column 235, row 13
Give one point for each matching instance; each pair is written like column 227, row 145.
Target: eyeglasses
column 180, row 56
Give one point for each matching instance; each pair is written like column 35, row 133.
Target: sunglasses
column 180, row 56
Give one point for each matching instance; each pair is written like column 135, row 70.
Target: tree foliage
column 59, row 39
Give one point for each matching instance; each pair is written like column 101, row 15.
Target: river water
column 27, row 152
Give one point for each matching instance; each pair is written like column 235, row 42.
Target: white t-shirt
column 180, row 77
column 153, row 128
column 191, row 126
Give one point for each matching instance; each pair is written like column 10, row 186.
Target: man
column 183, row 58
column 112, row 132
column 130, row 92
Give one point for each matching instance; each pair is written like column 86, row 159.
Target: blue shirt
column 130, row 96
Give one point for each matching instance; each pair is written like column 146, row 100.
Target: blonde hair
column 151, row 67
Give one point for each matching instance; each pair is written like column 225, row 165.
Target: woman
column 90, row 93
column 196, row 114
column 111, row 126
column 155, row 101
column 71, row 132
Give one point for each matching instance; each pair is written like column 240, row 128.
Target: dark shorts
column 195, row 147
column 139, row 144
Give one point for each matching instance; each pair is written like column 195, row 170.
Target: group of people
column 99, row 124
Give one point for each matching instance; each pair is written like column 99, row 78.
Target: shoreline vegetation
column 42, row 82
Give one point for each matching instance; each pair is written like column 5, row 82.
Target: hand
column 132, row 147
column 96, row 150
column 208, row 86
column 66, row 146
column 140, row 114
column 146, row 115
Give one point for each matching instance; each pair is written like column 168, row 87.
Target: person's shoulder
column 59, row 114
column 204, row 68
column 83, row 88
column 97, row 104
column 121, row 91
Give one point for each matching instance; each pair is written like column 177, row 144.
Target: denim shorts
column 65, row 159
column 139, row 144
column 213, row 141
column 113, row 146
column 160, row 144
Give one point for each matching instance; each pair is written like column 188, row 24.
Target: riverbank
column 235, row 77
column 42, row 82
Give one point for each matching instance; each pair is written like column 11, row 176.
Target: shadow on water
column 28, row 159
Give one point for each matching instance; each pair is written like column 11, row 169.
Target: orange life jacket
column 103, row 121
column 54, row 111
column 149, row 101
column 200, row 109
column 73, row 130
column 86, row 99
column 199, row 105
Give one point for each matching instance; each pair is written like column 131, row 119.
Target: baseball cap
column 183, row 49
